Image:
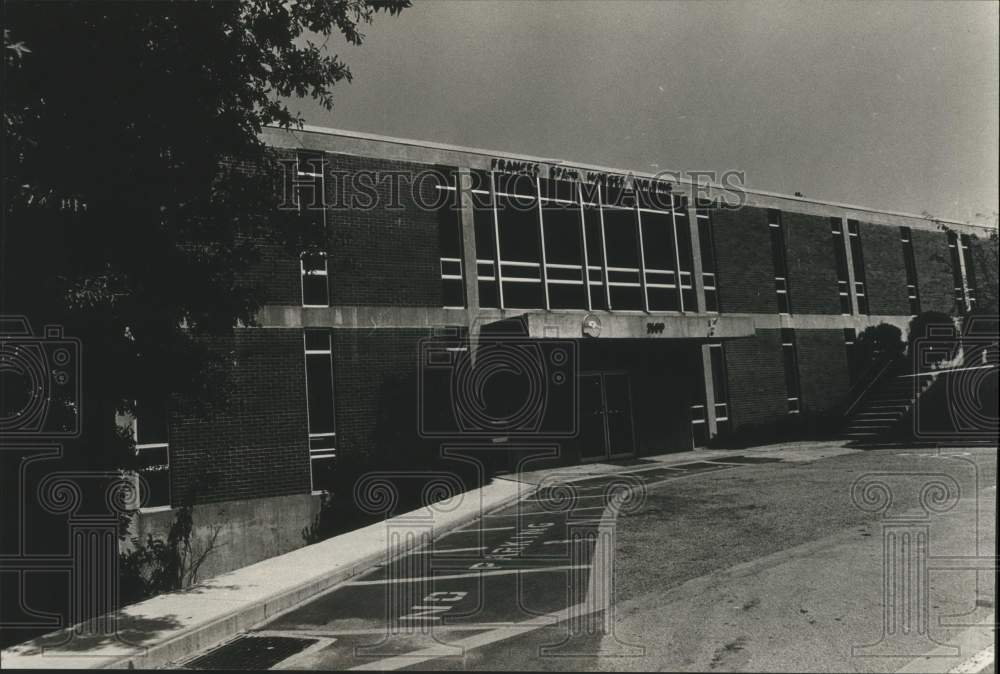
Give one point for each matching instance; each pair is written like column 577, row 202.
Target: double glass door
column 606, row 430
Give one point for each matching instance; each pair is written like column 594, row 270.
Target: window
column 850, row 337
column 320, row 405
column 562, row 228
column 621, row 240
column 707, row 246
column 840, row 259
column 520, row 251
column 685, row 256
column 720, row 386
column 906, row 238
column 594, row 231
column 660, row 255
column 970, row 273
column 450, row 241
column 486, row 241
column 315, row 285
column 779, row 260
column 788, row 352
column 858, row 262
column 956, row 271
column 149, row 428
column 309, row 182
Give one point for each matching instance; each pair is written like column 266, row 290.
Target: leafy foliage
column 136, row 190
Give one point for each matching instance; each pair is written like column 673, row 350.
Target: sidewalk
column 172, row 626
column 169, row 627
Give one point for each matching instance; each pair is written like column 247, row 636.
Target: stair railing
column 888, row 362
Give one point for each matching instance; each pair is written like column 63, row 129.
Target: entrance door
column 605, row 416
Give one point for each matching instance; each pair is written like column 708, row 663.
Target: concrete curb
column 226, row 613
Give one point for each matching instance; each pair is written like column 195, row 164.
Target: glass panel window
column 858, row 262
column 320, row 405
column 315, row 280
column 779, row 260
column 840, row 260
column 970, row 272
column 791, row 370
column 720, row 386
column 686, row 255
column 659, row 249
column 564, row 255
column 152, row 450
column 622, row 246
column 520, row 253
column 486, row 244
column 706, row 242
column 912, row 293
column 595, row 257
column 450, row 241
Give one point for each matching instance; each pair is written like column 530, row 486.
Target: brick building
column 623, row 315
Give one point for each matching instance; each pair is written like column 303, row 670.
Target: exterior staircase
column 884, row 403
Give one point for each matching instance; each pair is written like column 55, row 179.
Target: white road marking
column 976, row 663
column 459, row 531
column 550, row 513
column 546, row 500
column 473, row 642
column 474, row 574
column 570, row 540
column 434, row 551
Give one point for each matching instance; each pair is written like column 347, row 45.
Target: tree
column 136, row 189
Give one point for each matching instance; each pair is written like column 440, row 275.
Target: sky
column 892, row 105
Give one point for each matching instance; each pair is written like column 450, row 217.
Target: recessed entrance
column 606, row 428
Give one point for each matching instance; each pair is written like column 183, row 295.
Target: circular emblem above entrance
column 591, row 326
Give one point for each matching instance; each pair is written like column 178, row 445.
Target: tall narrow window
column 450, row 240
column 621, row 238
column 564, row 246
column 706, row 243
column 858, row 262
column 791, row 370
column 720, row 386
column 779, row 260
column 519, row 230
column 685, row 255
column 594, row 231
column 309, row 184
column 969, row 269
column 840, row 259
column 487, row 271
column 659, row 251
column 956, row 271
column 850, row 337
column 319, row 402
column 153, row 452
column 315, row 280
column 912, row 294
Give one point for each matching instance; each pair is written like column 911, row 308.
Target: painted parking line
column 474, row 574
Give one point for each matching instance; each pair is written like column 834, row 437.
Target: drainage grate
column 250, row 652
column 746, row 459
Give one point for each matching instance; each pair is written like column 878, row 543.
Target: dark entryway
column 606, row 425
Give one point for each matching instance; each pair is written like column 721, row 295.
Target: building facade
column 622, row 315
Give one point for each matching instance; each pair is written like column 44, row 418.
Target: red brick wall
column 984, row 259
column 934, row 276
column 756, row 376
column 382, row 256
column 885, row 270
column 812, row 268
column 745, row 272
column 823, row 374
column 375, row 385
column 257, row 446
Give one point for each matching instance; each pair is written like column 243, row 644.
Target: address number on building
column 655, row 328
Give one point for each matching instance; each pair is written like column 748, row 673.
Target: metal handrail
column 888, row 363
